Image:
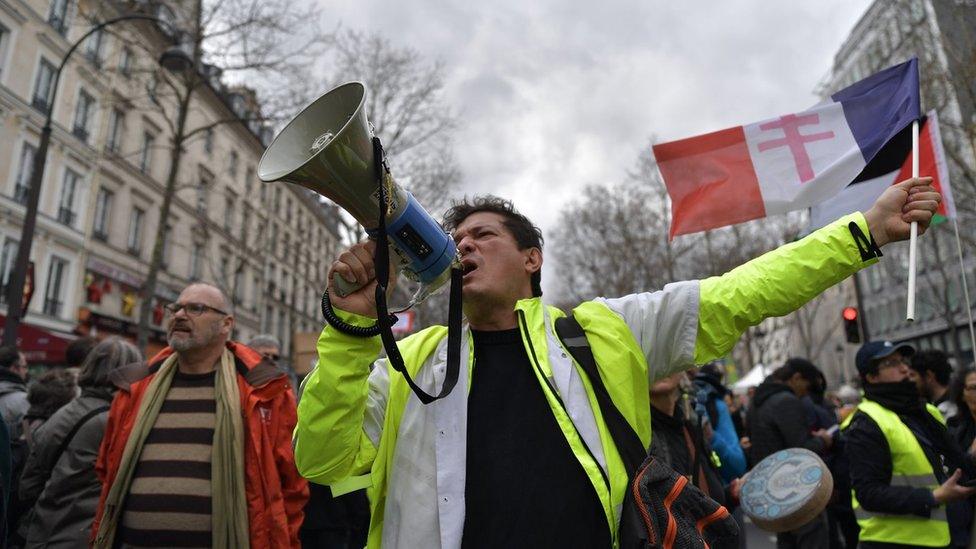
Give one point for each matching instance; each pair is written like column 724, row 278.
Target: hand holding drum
column 786, row 490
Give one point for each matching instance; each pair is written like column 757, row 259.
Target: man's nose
column 465, row 245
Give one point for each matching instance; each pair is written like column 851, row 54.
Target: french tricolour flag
column 891, row 165
column 789, row 162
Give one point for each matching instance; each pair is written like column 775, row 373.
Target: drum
column 786, row 490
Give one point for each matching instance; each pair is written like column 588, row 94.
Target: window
column 103, row 213
column 203, row 196
column 196, row 257
column 4, row 38
column 238, row 285
column 58, row 15
column 8, row 255
column 145, row 162
column 125, row 62
column 83, row 115
column 268, row 319
column 232, row 167
column 208, row 140
column 54, row 292
column 116, row 128
column 135, row 230
column 69, row 187
column 281, row 328
column 93, row 48
column 24, row 173
column 229, row 215
column 286, row 247
column 167, row 244
column 255, row 288
column 43, row 86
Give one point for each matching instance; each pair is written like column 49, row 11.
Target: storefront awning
column 39, row 345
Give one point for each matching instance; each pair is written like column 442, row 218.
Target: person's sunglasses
column 192, row 309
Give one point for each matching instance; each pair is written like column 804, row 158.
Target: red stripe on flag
column 927, row 165
column 711, row 181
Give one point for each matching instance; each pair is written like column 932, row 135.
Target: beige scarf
column 229, row 513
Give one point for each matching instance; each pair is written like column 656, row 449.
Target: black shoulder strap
column 74, row 431
column 632, row 450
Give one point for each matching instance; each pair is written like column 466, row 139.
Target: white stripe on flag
column 804, row 158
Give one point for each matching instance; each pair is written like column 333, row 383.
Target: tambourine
column 786, row 490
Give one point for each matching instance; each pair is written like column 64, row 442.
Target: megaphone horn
column 327, row 148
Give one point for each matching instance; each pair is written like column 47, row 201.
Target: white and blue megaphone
column 328, row 148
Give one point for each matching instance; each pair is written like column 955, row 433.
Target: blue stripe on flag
column 881, row 105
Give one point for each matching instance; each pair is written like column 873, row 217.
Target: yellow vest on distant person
column 909, row 467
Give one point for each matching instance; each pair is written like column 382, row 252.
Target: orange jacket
column 276, row 493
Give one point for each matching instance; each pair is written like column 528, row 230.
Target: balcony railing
column 66, row 216
column 81, row 133
column 20, row 193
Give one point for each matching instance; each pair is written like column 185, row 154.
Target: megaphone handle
column 343, row 287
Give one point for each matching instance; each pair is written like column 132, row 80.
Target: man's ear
column 533, row 260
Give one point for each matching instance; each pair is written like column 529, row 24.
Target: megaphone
column 328, row 148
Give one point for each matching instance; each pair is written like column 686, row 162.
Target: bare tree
column 406, row 106
column 227, row 39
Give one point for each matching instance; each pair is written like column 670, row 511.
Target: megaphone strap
column 385, row 321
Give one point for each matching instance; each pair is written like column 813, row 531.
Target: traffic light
column 852, row 328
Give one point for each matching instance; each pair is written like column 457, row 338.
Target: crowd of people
column 205, row 444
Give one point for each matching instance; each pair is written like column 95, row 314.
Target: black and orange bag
column 661, row 509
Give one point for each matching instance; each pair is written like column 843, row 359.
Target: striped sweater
column 169, row 501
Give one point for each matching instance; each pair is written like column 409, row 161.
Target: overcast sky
column 554, row 95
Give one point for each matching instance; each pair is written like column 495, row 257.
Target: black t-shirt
column 524, row 487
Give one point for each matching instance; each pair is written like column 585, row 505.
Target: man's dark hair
column 77, row 350
column 526, row 234
column 801, row 366
column 935, row 361
column 9, row 355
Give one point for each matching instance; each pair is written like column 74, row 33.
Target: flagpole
column 913, row 240
column 965, row 286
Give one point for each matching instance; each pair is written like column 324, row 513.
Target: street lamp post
column 173, row 59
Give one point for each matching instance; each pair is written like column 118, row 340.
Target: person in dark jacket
column 962, row 428
column 778, row 420
column 59, row 481
column 13, row 389
column 934, row 373
column 679, row 442
column 904, row 466
column 46, row 395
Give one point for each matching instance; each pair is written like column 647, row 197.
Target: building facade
column 942, row 35
column 266, row 245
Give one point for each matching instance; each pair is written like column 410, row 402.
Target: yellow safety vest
column 909, row 467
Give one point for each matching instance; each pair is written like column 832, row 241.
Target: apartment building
column 266, row 245
column 943, row 37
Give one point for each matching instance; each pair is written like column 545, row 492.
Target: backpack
column 661, row 508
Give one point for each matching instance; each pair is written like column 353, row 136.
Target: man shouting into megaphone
column 519, row 454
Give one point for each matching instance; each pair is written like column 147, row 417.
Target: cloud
column 555, row 95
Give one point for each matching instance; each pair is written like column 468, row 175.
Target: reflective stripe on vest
column 910, row 468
